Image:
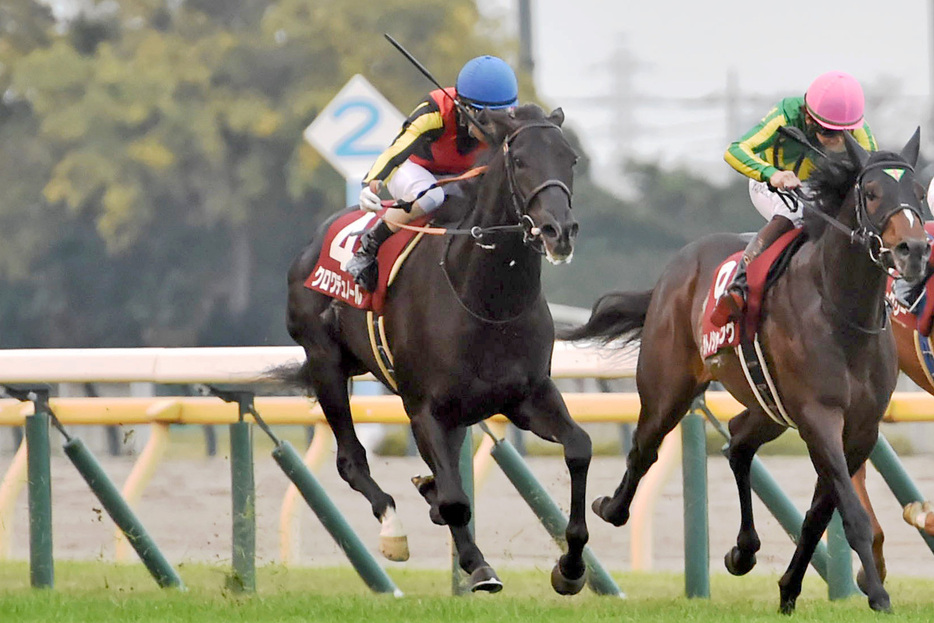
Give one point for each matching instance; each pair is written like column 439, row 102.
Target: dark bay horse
column 470, row 333
column 826, row 340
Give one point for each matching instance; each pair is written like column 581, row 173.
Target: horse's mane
column 503, row 123
column 828, row 185
column 827, row 188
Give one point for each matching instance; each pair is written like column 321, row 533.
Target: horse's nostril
column 572, row 230
column 549, row 231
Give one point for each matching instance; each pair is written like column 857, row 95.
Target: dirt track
column 186, row 509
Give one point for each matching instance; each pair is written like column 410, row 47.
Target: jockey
column 436, row 139
column 833, row 104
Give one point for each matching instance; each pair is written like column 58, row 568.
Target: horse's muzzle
column 911, row 259
column 559, row 240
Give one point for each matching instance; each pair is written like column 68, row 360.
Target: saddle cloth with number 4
column 341, row 241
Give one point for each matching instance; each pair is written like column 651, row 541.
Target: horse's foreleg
column 665, row 399
column 825, row 445
column 748, row 431
column 815, row 522
column 545, row 414
column 878, row 537
column 440, row 447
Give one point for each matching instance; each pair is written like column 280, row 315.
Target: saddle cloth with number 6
column 341, row 241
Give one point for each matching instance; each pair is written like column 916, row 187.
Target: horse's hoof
column 484, row 579
column 599, row 508
column 394, row 548
column 787, row 606
column 881, row 605
column 737, row 563
column 564, row 585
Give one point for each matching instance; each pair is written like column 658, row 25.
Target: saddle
column 341, row 241
column 761, row 274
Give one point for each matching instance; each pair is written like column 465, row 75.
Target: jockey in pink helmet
column 832, row 105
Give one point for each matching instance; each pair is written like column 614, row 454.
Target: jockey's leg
column 408, row 182
column 732, row 303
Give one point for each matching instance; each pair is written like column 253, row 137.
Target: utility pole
column 526, row 59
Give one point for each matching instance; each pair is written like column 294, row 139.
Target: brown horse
column 903, row 327
column 469, row 331
column 826, row 340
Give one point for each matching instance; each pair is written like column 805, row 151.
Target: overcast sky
column 658, row 72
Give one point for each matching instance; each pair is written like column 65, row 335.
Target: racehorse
column 903, row 327
column 470, row 333
column 825, row 337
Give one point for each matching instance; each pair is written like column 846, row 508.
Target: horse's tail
column 293, row 375
column 617, row 315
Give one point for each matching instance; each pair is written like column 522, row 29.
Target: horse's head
column 888, row 207
column 538, row 162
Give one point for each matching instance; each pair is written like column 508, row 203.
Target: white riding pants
column 769, row 203
column 409, row 179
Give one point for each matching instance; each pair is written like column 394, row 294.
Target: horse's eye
column 518, row 163
column 871, row 196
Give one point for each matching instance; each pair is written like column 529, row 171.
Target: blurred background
column 156, row 185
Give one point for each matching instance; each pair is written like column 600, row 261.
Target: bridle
column 868, row 232
column 519, row 202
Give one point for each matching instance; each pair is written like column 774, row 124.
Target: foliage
column 156, row 185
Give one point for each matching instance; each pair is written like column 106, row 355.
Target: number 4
column 341, row 249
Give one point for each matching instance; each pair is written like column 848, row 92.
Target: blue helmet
column 487, row 82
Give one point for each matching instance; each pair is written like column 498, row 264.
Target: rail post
column 41, row 565
column 840, row 584
column 696, row 527
column 243, row 493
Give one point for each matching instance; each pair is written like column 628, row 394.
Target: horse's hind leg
column 545, row 414
column 666, row 395
column 748, row 431
column 878, row 537
column 440, row 447
column 330, row 387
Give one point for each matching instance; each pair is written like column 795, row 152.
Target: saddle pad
column 759, row 275
column 341, row 241
column 925, row 355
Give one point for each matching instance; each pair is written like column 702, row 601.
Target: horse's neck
column 499, row 275
column 851, row 283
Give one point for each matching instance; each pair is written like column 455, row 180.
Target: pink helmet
column 835, row 100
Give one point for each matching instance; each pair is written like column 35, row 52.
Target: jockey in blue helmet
column 436, row 139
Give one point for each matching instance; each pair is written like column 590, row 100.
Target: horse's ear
column 855, row 150
column 493, row 121
column 912, row 148
column 556, row 116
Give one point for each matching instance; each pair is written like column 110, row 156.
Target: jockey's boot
column 732, row 303
column 363, row 265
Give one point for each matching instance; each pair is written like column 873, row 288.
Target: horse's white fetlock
column 393, row 542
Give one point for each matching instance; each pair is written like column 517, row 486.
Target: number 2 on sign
column 341, row 249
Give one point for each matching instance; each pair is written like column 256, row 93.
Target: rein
column 867, row 234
